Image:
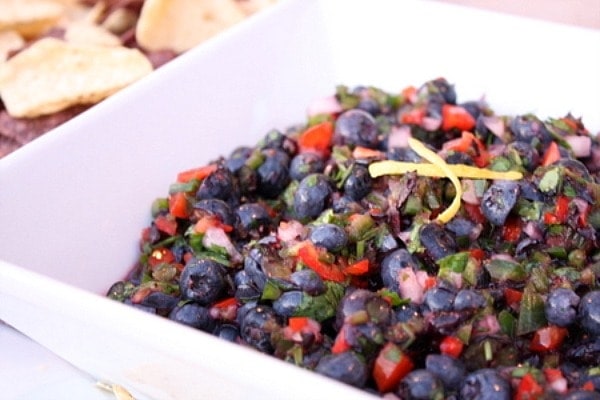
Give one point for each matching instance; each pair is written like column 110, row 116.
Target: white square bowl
column 72, row 203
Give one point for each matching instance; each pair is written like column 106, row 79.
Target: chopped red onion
column 324, row 105
column 581, row 145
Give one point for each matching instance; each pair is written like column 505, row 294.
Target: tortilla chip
column 52, row 75
column 85, row 33
column 10, row 41
column 30, row 18
column 182, row 24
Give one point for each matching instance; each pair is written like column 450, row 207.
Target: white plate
column 72, row 203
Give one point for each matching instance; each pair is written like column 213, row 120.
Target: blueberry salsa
column 403, row 243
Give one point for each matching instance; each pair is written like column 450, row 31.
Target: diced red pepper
column 340, row 344
column 196, row 173
column 409, row 93
column 429, row 282
column 451, row 346
column 391, row 365
column 472, row 145
column 179, row 206
column 528, row 388
column 357, row 268
column 414, row 116
column 166, row 224
column 589, row 386
column 161, row 256
column 511, row 231
column 456, row 117
column 317, row 138
column 512, row 296
column 474, row 212
column 309, row 255
column 225, row 303
column 210, row 221
column 548, row 338
column 551, row 155
column 297, row 323
column 561, row 210
column 477, row 254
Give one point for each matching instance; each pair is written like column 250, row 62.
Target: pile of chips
column 59, row 57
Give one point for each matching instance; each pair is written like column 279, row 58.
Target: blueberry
column 460, row 226
column 273, row 173
column 485, row 384
column 359, row 183
column 218, row 208
column 237, row 158
column 439, row 299
column 329, row 236
column 406, row 312
column 252, row 218
column 311, row 196
column 527, row 153
column 278, row 141
column 358, row 127
column 393, row 263
column 202, row 281
column 362, row 300
column 421, row 384
column 308, row 281
column 442, row 91
column 402, row 154
column 449, row 370
column 219, row 185
column 473, row 108
column 229, row 332
column 589, row 312
column 582, row 395
column 305, row 164
column 253, row 266
column 585, row 352
column 345, row 367
column 287, row 304
column 194, row 315
column 257, row 326
column 345, row 205
column 244, row 287
column 561, row 307
column 438, row 243
column 468, row 299
column 498, row 200
column 530, row 129
column 163, row 303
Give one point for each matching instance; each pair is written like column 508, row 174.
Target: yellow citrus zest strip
column 433, row 158
column 389, row 167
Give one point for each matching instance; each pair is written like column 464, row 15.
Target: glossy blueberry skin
column 308, row 281
column 218, row 208
column 287, row 304
column 273, row 173
column 218, row 185
column 449, row 370
column 393, row 263
column 229, row 332
column 311, row 196
column 442, row 91
column 402, row 154
column 468, row 299
column 439, row 299
column 253, row 266
column 458, row 157
column 460, row 226
column 304, row 164
column 278, row 141
column 237, row 158
column 346, row 367
column 163, row 303
column 527, row 128
column 202, row 281
column 252, row 217
column 194, row 315
column 358, row 127
column 498, row 200
column 378, row 310
column 421, row 384
column 406, row 312
column 437, row 242
column 359, row 183
column 329, row 236
column 585, row 352
column 485, row 384
column 256, row 327
column 244, row 287
column 589, row 312
column 561, row 307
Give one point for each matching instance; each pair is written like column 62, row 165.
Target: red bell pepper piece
column 391, row 365
column 414, row 116
column 166, row 223
column 358, row 268
column 551, row 155
column 196, row 173
column 528, row 388
column 317, row 138
column 340, row 344
column 511, row 231
column 548, row 338
column 456, row 117
column 161, row 256
column 309, row 255
column 451, row 346
column 179, row 206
